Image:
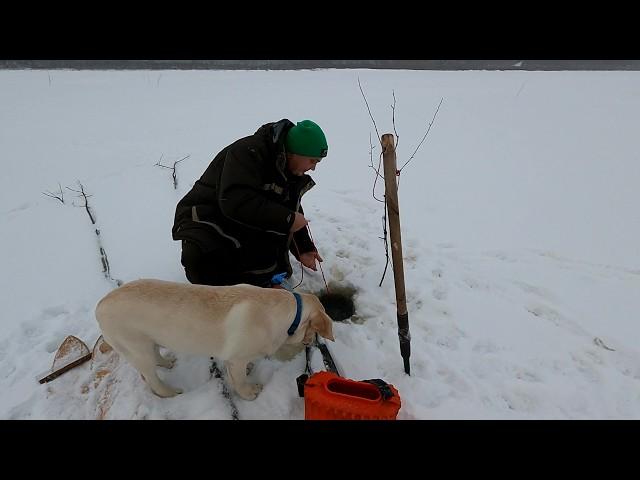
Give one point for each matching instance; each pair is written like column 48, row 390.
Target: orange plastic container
column 328, row 396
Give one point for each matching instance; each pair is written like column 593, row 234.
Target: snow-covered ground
column 519, row 221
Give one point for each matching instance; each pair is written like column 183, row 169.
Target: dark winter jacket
column 245, row 200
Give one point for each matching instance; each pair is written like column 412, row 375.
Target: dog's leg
column 161, row 361
column 148, row 370
column 237, row 375
column 143, row 358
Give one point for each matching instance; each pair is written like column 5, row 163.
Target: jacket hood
column 273, row 134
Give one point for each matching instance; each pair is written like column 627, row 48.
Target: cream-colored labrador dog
column 237, row 324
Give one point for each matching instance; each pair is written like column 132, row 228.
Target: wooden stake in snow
column 393, row 209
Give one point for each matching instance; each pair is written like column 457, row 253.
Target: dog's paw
column 166, row 391
column 167, row 362
column 250, row 391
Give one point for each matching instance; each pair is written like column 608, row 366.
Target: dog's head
column 319, row 322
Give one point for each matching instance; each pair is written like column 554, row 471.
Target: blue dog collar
column 296, row 321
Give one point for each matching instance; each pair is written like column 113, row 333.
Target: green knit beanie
column 306, row 138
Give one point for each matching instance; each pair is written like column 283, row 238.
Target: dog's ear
column 322, row 323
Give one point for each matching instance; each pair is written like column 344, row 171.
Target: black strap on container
column 382, row 386
column 300, row 381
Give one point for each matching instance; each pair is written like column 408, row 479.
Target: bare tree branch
column 369, row 110
column 378, row 175
column 175, row 178
column 371, row 148
column 386, row 243
column 103, row 254
column 59, row 195
column 86, row 201
column 393, row 119
column 425, row 136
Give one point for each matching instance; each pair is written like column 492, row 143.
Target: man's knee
column 191, row 259
column 191, row 254
column 212, row 268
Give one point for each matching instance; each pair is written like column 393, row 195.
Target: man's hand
column 299, row 222
column 309, row 260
